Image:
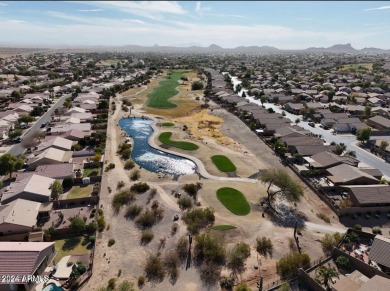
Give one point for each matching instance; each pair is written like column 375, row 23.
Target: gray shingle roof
column 380, row 251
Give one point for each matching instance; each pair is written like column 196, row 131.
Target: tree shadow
column 286, row 216
column 71, row 243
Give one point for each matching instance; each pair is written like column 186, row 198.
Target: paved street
column 367, row 159
column 18, row 148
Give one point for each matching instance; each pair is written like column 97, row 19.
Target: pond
column 150, row 158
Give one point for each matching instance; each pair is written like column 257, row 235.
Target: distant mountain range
column 338, row 48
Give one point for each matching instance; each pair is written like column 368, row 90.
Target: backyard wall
column 359, row 265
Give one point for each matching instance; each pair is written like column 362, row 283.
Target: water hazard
column 150, row 158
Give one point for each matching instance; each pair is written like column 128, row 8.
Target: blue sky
column 285, row 25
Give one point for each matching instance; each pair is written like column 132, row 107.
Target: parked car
column 312, row 124
column 43, row 125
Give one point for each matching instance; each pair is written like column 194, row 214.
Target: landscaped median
column 165, row 138
column 233, row 200
column 223, row 163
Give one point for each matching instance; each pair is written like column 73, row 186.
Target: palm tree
column 325, row 274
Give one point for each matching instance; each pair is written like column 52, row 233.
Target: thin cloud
column 199, row 9
column 3, row 4
column 90, row 10
column 202, row 11
column 378, row 8
column 150, row 9
column 223, row 15
column 134, row 21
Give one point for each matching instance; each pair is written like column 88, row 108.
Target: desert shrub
column 141, row 281
column 226, row 282
column 133, row 211
column 126, row 154
column 109, row 167
column 198, row 218
column 376, row 231
column 329, row 241
column 154, row 269
column 242, row 287
column 324, row 217
column 209, row 249
column 237, row 257
column 101, row 223
column 129, row 165
column 342, row 261
column 184, row 202
column 146, row 237
column 121, row 198
column 91, row 227
column 291, row 262
column 171, row 263
column 192, row 189
column 111, row 284
column 197, row 85
column 135, row 175
column 358, row 227
column 140, row 187
column 264, row 246
column 120, row 185
column 111, row 242
column 181, row 248
column 149, row 217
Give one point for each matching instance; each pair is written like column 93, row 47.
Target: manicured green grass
column 86, row 172
column 159, row 97
column 70, row 246
column 165, row 138
column 223, row 163
column 233, row 200
column 79, row 192
column 168, row 124
column 223, row 227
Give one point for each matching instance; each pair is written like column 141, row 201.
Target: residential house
column 18, row 216
column 374, row 101
column 347, row 175
column 75, row 110
column 380, row 252
column 75, row 135
column 379, row 122
column 60, row 129
column 55, row 171
column 56, row 142
column 358, row 282
column 23, row 259
column 33, row 188
column 293, row 108
column 324, row 160
column 369, row 195
column 49, row 156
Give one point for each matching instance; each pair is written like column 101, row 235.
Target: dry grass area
column 203, row 124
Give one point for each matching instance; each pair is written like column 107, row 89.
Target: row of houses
column 340, row 177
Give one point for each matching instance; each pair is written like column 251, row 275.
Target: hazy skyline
column 285, row 25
